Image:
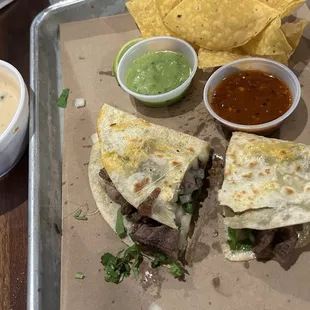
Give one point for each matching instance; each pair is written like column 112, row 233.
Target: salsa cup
column 14, row 139
column 156, row 44
column 265, row 65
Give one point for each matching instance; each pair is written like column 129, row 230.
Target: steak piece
column 127, row 209
column 286, row 239
column 276, row 244
column 263, row 239
column 161, row 238
column 266, row 254
column 104, row 175
column 115, row 195
column 135, row 217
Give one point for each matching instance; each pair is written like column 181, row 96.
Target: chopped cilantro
column 117, row 268
column 63, row 98
column 78, row 215
column 188, row 207
column 119, row 226
column 240, row 239
column 160, row 259
column 175, row 268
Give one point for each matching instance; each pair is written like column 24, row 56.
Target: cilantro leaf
column 79, row 216
column 119, row 226
column 177, row 270
column 160, row 259
column 63, row 98
column 117, row 268
column 240, row 239
column 188, row 207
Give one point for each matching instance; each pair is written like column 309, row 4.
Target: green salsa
column 158, row 72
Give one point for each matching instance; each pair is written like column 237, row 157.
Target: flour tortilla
column 129, row 148
column 107, row 207
column 267, row 182
column 266, row 185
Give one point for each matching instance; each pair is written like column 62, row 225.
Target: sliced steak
column 115, row 195
column 266, row 254
column 276, row 244
column 263, row 239
column 104, row 175
column 127, row 209
column 135, row 218
column 162, row 238
column 286, row 239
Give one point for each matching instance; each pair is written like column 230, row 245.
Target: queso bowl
column 265, row 65
column 14, row 139
column 156, row 44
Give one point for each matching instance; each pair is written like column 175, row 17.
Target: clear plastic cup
column 262, row 64
column 14, row 139
column 153, row 45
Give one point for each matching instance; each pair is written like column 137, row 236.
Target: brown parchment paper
column 87, row 52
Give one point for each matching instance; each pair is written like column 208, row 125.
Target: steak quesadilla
column 144, row 178
column 265, row 197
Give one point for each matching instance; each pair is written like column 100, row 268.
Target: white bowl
column 153, row 45
column 14, row 139
column 262, row 64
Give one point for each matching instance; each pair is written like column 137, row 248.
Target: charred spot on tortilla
column 248, row 175
column 227, row 172
column 288, row 191
column 253, row 164
column 175, row 163
column 145, row 208
column 141, row 184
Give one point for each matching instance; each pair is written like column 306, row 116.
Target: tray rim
column 34, row 301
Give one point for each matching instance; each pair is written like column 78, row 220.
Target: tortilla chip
column 285, row 7
column 165, row 6
column 219, row 25
column 271, row 41
column 293, row 32
column 282, row 58
column 209, row 59
column 147, row 17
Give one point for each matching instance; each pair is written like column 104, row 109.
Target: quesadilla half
column 146, row 176
column 265, row 197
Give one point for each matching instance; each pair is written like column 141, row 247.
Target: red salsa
column 251, row 98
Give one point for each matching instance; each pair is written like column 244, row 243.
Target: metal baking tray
column 45, row 153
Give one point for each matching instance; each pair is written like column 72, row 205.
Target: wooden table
column 15, row 21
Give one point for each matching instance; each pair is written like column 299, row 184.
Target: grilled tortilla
column 266, row 188
column 153, row 169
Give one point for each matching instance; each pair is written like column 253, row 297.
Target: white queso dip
column 9, row 99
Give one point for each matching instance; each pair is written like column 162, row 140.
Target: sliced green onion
column 79, row 276
column 78, row 216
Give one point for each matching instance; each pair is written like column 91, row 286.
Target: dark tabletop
column 15, row 21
